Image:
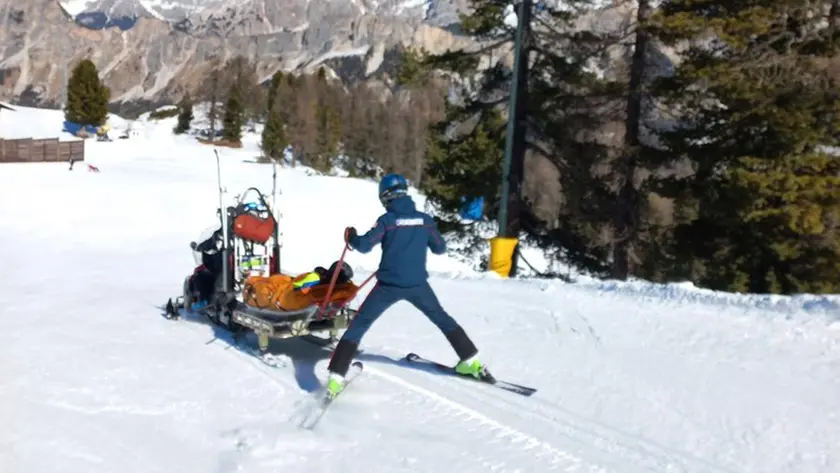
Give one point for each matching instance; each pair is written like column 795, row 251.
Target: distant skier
column 405, row 234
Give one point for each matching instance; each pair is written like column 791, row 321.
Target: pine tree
column 234, row 115
column 211, row 91
column 759, row 106
column 277, row 81
column 412, row 71
column 274, row 140
column 87, row 97
column 565, row 107
column 472, row 130
column 185, row 114
column 359, row 133
column 304, row 123
column 423, row 97
column 242, row 71
column 328, row 136
column 467, row 168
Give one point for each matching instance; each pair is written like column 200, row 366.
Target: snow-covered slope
column 631, row 377
column 36, row 123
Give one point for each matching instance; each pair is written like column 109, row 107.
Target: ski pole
column 333, row 280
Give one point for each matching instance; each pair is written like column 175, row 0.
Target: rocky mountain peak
column 153, row 50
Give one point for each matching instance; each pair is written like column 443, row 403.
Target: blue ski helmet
column 392, row 186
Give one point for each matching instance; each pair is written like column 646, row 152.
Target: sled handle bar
column 322, row 310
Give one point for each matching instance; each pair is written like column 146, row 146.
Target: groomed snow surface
column 632, row 377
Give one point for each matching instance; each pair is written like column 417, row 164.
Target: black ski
column 323, row 401
column 447, row 369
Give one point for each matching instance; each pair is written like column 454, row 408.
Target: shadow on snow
column 304, row 355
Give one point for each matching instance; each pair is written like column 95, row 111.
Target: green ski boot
column 472, row 367
column 335, row 385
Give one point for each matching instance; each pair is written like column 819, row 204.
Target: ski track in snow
column 502, row 447
column 515, row 441
column 514, row 432
column 512, row 441
column 631, row 378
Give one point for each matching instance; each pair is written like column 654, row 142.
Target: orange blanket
column 278, row 292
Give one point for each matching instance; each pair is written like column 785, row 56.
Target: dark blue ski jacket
column 405, row 234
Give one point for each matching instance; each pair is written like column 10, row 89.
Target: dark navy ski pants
column 384, row 296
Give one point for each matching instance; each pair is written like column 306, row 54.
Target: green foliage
column 413, row 71
column 759, row 107
column 329, row 134
column 163, row 114
column 486, row 18
column 87, row 97
column 467, row 166
column 234, row 115
column 563, row 106
column 185, row 114
column 758, row 208
column 362, row 133
column 793, row 203
column 326, row 123
column 276, row 81
column 465, row 149
column 274, row 139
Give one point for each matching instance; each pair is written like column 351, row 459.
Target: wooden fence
column 36, row 151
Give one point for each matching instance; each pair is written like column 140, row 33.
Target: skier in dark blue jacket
column 405, row 234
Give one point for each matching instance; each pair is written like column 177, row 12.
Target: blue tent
column 473, row 209
column 74, row 128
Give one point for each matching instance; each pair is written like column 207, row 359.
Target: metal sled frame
column 227, row 311
column 268, row 324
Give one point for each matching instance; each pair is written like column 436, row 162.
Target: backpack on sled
column 253, row 221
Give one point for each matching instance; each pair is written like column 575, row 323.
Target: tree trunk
column 520, row 129
column 628, row 198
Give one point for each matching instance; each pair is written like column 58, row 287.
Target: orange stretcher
column 278, row 292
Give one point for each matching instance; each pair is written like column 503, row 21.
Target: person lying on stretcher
column 286, row 293
column 320, row 275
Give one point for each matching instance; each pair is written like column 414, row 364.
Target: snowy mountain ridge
column 153, row 50
column 179, row 10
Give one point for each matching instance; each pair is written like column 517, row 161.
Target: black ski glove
column 349, row 232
